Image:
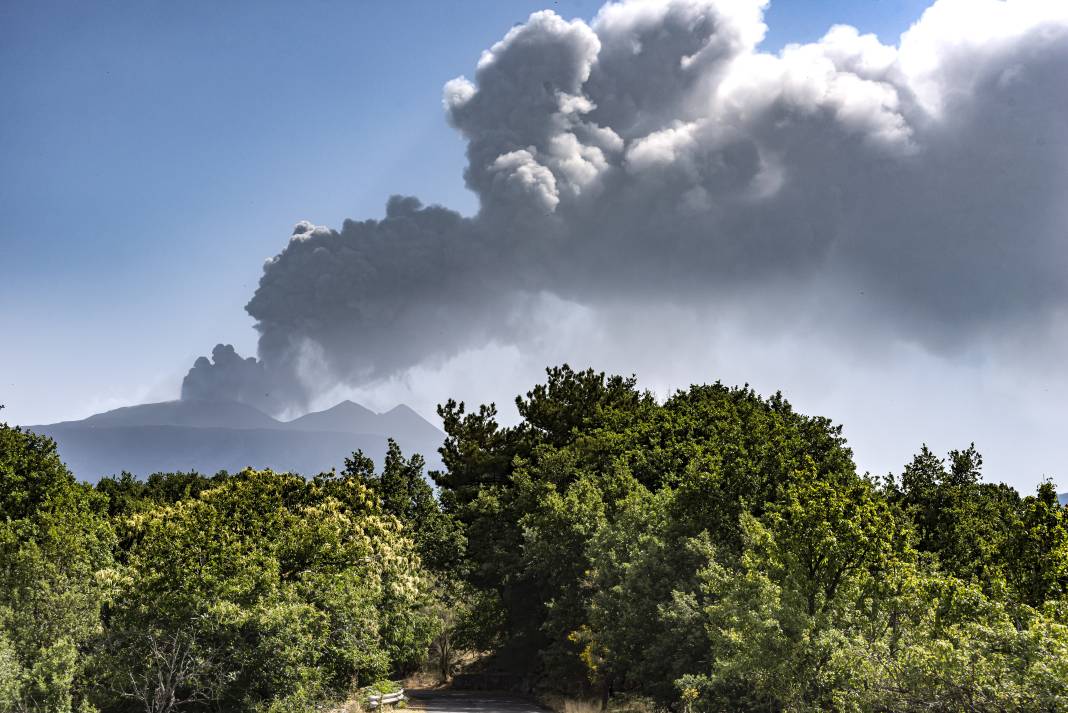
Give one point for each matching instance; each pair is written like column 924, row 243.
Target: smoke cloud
column 654, row 156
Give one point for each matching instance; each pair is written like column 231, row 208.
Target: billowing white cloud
column 897, row 195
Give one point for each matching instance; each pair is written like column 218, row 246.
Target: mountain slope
column 346, row 416
column 92, row 453
column 406, row 423
column 194, row 413
column 208, row 436
column 401, row 423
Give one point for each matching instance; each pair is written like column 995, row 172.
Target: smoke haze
column 657, row 195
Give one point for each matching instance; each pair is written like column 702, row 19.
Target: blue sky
column 155, row 153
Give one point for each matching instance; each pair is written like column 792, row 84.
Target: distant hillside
column 400, row 422
column 200, row 414
column 346, row 416
column 208, row 436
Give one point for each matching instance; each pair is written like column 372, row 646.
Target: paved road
column 446, row 701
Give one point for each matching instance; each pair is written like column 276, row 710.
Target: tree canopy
column 719, row 551
column 715, row 550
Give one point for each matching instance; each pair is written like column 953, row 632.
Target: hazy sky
column 156, row 154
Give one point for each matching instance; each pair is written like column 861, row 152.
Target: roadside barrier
column 385, row 699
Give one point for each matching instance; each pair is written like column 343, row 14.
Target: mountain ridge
column 208, row 436
column 345, row 416
column 198, row 413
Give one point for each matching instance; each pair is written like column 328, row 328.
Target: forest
column 712, row 551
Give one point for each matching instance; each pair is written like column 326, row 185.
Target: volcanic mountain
column 208, row 436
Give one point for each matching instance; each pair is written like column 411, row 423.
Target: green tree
column 645, row 627
column 404, row 492
column 533, row 497
column 955, row 648
column 790, row 628
column 967, row 524
column 1038, row 552
column 264, row 591
column 832, row 611
column 55, row 560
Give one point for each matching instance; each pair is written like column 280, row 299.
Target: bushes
column 55, row 570
column 720, row 552
column 267, row 589
column 717, row 551
column 253, row 592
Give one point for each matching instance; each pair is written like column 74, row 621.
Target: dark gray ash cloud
column 228, row 376
column 912, row 193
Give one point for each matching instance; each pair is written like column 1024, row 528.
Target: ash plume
column 655, row 155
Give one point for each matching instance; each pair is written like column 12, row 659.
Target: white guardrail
column 385, row 699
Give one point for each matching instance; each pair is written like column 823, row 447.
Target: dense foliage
column 715, row 551
column 56, row 568
column 258, row 591
column 718, row 551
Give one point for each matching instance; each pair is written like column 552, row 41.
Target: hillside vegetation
column 716, row 551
